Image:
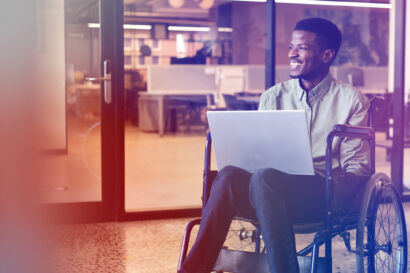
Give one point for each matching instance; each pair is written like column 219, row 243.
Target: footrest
column 249, row 262
column 241, row 262
column 305, row 263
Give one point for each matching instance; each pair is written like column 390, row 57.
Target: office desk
column 251, row 101
column 159, row 98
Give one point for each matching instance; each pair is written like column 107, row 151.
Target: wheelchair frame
column 372, row 197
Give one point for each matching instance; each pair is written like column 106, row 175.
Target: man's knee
column 267, row 176
column 229, row 170
column 231, row 181
column 227, row 175
column 266, row 180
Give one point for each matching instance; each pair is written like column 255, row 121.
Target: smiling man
column 315, row 43
column 275, row 199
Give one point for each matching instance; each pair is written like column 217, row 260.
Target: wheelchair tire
column 381, row 238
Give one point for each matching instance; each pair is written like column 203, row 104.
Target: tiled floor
column 132, row 247
column 142, row 247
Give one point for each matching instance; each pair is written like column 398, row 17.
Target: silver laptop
column 262, row 139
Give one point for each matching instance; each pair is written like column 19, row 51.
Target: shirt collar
column 318, row 92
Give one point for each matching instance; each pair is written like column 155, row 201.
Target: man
column 275, row 199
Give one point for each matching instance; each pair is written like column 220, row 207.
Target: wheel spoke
column 389, row 215
column 382, row 222
column 382, row 226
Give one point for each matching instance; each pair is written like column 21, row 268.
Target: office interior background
column 119, row 92
column 175, row 60
column 122, row 89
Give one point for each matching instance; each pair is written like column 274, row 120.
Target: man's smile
column 295, row 64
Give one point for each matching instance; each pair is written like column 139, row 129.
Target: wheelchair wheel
column 381, row 238
column 242, row 235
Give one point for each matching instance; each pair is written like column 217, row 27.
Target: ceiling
column 151, row 11
column 82, row 11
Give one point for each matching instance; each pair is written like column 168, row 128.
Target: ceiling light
column 327, row 3
column 183, row 28
column 176, row 3
column 93, row 25
column 126, row 26
column 224, row 29
column 142, row 27
column 206, row 4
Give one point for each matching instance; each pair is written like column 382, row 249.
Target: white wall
column 50, row 73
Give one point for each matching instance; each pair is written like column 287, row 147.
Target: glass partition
column 182, row 59
column 180, row 64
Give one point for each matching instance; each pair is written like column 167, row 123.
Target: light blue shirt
column 329, row 103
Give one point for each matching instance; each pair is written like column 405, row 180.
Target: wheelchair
column 370, row 206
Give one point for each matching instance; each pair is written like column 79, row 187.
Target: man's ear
column 327, row 55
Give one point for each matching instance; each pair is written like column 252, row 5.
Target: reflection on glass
column 74, row 169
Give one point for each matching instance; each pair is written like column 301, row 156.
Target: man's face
column 305, row 55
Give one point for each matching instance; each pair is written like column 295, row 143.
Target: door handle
column 106, row 79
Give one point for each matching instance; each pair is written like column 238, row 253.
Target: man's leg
column 267, row 195
column 229, row 197
column 280, row 200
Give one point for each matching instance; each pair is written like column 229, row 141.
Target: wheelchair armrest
column 344, row 130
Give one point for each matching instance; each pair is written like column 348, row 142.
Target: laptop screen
column 253, row 140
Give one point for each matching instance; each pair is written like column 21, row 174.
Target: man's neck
column 309, row 84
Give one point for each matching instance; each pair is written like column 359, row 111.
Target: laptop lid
column 253, row 140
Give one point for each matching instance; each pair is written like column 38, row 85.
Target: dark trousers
column 273, row 198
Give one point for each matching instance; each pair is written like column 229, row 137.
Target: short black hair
column 327, row 33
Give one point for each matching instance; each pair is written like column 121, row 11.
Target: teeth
column 294, row 64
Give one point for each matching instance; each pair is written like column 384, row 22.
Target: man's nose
column 292, row 53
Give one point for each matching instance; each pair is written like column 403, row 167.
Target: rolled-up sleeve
column 355, row 153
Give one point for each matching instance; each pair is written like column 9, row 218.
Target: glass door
column 183, row 59
column 81, row 82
